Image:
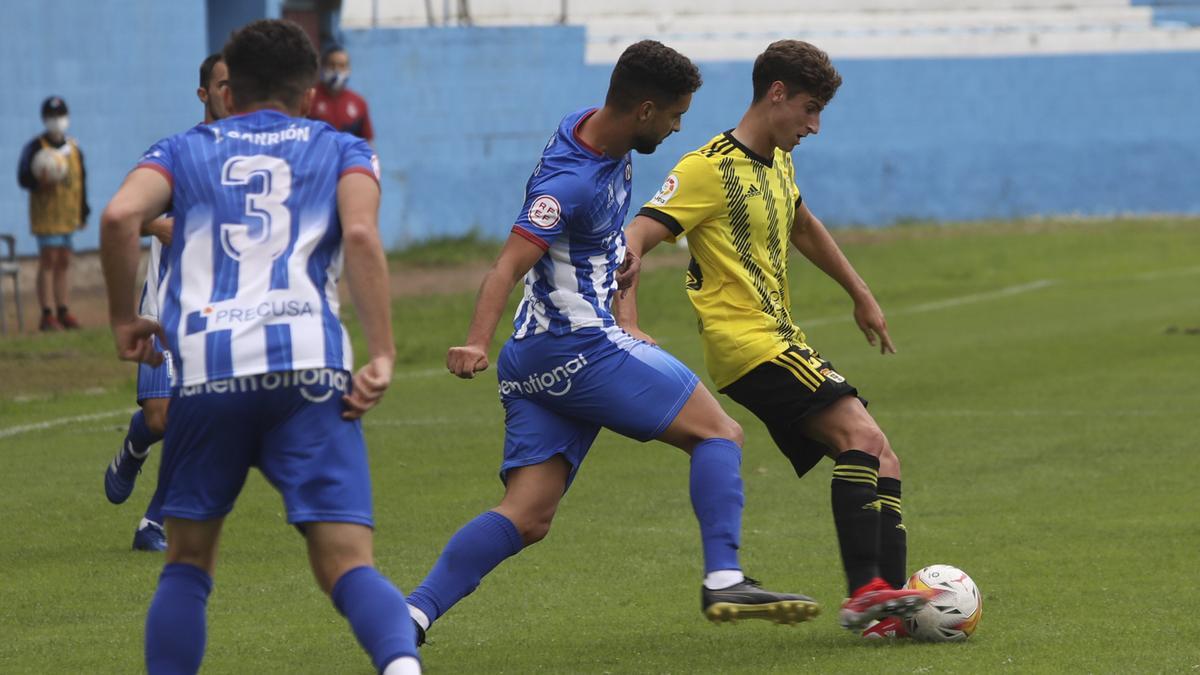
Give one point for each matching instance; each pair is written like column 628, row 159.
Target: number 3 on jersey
column 274, row 234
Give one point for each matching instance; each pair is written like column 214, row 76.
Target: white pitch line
column 971, row 299
column 1166, row 274
column 50, row 424
column 979, row 297
column 1028, row 413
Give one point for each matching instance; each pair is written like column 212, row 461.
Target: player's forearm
column 155, row 227
column 119, row 256
column 625, row 307
column 642, row 235
column 816, row 244
column 367, row 274
column 489, row 305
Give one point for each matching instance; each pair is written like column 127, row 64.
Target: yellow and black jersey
column 737, row 209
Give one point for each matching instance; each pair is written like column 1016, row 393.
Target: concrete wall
column 128, row 71
column 462, row 114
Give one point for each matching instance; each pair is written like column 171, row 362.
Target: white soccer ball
column 953, row 614
column 49, row 165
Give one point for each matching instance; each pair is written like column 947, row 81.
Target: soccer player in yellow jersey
column 736, row 200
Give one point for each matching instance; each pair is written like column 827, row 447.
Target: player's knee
column 889, row 463
column 534, row 528
column 869, row 438
column 196, row 557
column 724, row 427
column 731, row 430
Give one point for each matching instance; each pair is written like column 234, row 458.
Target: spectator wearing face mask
column 51, row 168
column 334, row 103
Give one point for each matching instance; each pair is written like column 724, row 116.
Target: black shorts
column 783, row 392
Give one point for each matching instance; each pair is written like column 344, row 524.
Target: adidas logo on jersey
column 753, row 191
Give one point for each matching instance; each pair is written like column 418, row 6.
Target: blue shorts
column 155, row 382
column 289, row 425
column 54, row 241
column 559, row 391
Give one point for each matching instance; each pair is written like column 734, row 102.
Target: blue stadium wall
column 128, row 70
column 461, row 115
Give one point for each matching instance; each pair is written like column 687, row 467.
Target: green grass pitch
column 1043, row 402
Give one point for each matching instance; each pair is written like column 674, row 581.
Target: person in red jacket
column 336, row 104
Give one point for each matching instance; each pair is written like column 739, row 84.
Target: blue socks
column 176, row 627
column 140, row 436
column 717, row 499
column 471, row 553
column 377, row 614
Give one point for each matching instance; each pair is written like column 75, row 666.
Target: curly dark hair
column 270, row 60
column 800, row 66
column 206, row 68
column 651, row 71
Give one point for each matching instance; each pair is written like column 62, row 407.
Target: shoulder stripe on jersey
column 720, row 147
column 665, row 219
column 531, row 237
column 159, row 168
column 363, row 170
column 739, row 222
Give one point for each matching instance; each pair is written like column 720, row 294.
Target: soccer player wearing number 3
column 569, row 370
column 736, row 200
column 267, row 203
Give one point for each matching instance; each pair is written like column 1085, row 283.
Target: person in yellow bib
column 736, row 200
column 51, row 168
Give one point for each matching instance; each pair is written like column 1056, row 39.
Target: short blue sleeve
column 551, row 207
column 357, row 157
column 160, row 157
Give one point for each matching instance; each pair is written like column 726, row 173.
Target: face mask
column 335, row 79
column 57, row 126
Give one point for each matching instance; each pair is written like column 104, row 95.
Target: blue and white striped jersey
column 575, row 207
column 252, row 270
column 156, row 271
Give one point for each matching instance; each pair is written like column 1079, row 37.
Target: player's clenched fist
column 370, row 383
column 133, row 340
column 466, row 361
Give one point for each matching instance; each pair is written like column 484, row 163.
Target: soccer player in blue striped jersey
column 149, row 423
column 569, row 370
column 266, row 203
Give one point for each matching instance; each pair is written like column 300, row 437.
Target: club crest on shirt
column 544, row 212
column 830, row 374
column 669, row 186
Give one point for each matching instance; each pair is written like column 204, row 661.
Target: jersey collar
column 768, row 162
column 579, row 140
